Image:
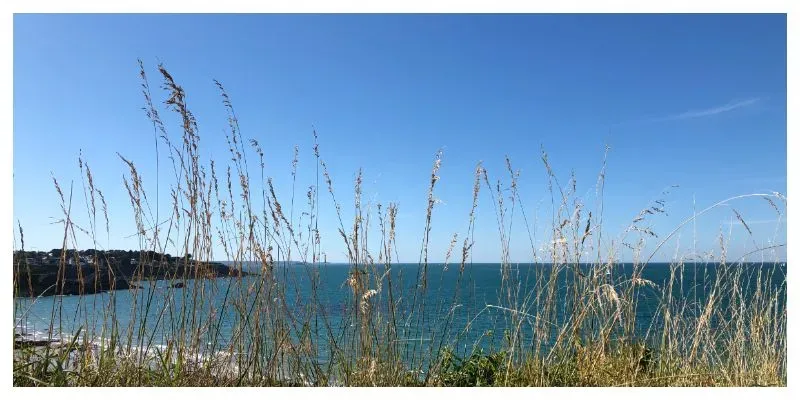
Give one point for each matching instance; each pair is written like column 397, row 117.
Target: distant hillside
column 71, row 272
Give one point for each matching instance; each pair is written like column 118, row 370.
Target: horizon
column 697, row 101
column 345, row 263
column 278, row 261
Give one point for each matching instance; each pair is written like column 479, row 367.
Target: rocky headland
column 72, row 272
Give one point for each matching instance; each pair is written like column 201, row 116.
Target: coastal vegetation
column 574, row 325
column 72, row 272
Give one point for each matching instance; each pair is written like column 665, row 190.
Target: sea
column 468, row 310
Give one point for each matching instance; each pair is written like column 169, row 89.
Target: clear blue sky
column 698, row 101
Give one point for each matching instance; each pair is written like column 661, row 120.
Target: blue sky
column 697, row 101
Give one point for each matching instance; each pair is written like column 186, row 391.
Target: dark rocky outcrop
column 93, row 271
column 21, row 343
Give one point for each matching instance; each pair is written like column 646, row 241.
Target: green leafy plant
column 479, row 369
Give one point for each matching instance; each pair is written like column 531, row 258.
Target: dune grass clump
column 568, row 319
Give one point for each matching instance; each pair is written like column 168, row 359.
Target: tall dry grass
column 569, row 319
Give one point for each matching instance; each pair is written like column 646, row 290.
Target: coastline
column 70, row 272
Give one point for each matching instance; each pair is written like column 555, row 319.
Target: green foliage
column 479, row 369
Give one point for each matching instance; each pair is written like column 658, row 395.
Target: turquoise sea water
column 461, row 309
